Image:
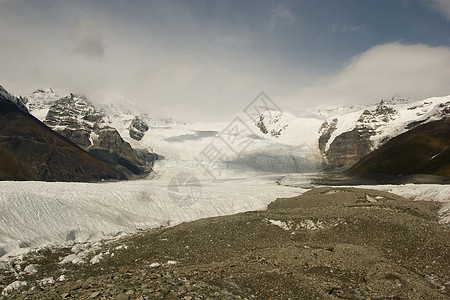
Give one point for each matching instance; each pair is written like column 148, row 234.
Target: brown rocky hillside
column 329, row 243
column 29, row 150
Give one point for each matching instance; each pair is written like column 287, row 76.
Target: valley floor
column 329, row 243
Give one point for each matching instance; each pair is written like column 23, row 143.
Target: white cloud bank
column 173, row 61
column 416, row 71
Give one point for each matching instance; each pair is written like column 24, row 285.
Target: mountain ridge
column 424, row 149
column 32, row 151
column 374, row 126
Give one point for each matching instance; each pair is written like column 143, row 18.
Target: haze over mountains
column 267, row 139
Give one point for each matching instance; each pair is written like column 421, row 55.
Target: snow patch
column 16, row 285
column 371, row 199
column 62, row 278
column 97, row 258
column 31, row 269
column 92, row 138
column 155, row 265
column 121, row 247
column 306, row 224
column 46, row 281
column 72, row 258
column 281, row 224
column 312, row 225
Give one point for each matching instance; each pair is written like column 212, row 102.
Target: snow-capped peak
column 6, row 95
column 44, row 95
column 41, row 99
column 44, row 91
column 397, row 100
column 39, row 102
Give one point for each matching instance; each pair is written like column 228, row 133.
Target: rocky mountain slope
column 349, row 133
column 29, row 150
column 77, row 119
column 347, row 137
column 329, row 243
column 425, row 149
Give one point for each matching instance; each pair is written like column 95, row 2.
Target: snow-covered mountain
column 39, row 102
column 131, row 125
column 282, row 142
column 345, row 138
column 269, row 140
column 77, row 119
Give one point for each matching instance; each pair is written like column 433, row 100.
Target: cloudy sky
column 206, row 59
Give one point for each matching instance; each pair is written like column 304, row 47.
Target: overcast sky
column 208, row 59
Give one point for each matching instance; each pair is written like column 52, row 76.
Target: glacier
column 41, row 214
column 51, row 214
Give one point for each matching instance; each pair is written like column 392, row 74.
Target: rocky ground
column 329, row 243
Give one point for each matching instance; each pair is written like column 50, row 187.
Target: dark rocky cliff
column 78, row 120
column 348, row 147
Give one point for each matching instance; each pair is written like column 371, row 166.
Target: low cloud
column 417, row 71
column 442, row 7
column 87, row 40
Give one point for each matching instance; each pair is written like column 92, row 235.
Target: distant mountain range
column 333, row 139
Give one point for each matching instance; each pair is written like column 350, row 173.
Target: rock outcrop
column 325, row 131
column 347, row 148
column 137, row 128
column 269, row 123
